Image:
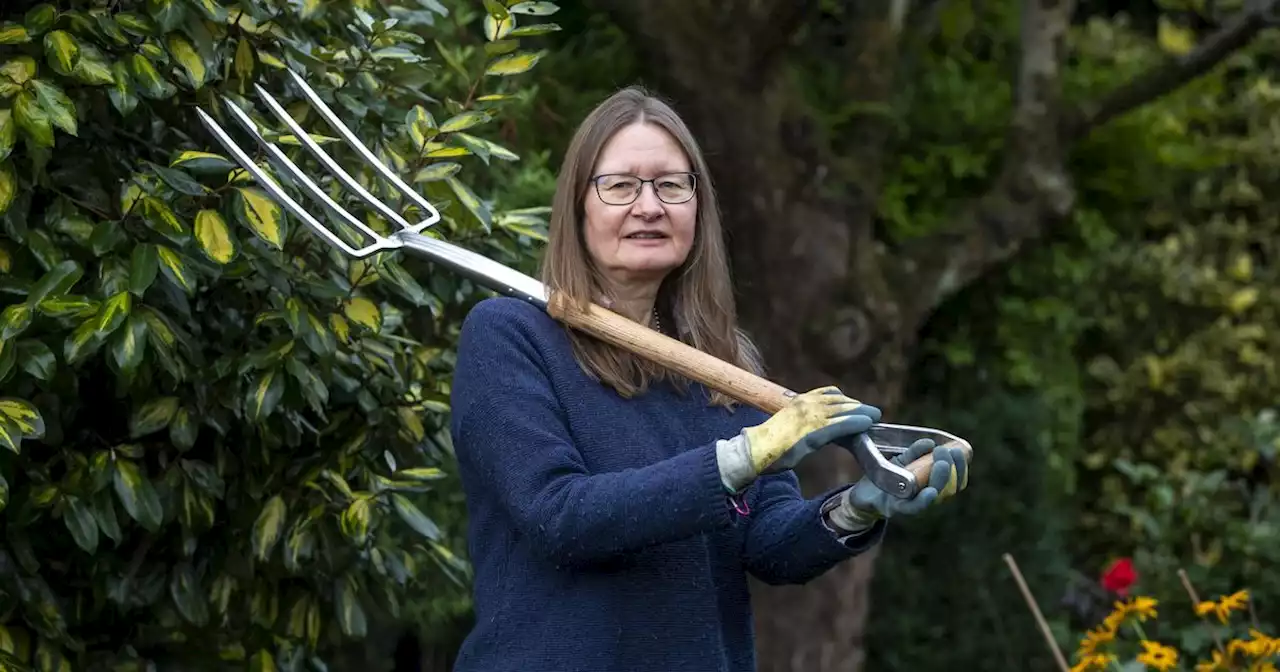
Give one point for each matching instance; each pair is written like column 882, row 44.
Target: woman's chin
column 652, row 263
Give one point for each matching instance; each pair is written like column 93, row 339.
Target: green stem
column 1138, row 628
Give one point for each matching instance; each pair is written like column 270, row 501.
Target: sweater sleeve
column 512, row 442
column 787, row 541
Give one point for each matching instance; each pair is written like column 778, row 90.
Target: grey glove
column 864, row 503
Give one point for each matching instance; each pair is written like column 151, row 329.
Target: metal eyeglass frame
column 595, row 182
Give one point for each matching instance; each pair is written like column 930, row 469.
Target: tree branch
column 1032, row 188
column 1177, row 72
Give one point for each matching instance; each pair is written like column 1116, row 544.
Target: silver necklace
column 657, row 322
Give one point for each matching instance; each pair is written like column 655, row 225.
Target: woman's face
column 641, row 241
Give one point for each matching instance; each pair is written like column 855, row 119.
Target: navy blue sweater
column 600, row 533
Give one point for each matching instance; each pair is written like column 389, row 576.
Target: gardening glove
column 807, row 423
column 862, row 505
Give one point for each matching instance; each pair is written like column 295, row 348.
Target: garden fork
column 871, row 451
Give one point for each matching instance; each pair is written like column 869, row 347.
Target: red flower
column 1119, row 576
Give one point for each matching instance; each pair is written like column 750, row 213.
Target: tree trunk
column 813, row 287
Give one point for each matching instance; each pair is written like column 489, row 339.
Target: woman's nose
column 647, row 202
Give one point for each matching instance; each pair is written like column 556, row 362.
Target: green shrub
column 223, row 440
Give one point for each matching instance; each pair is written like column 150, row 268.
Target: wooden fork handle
column 694, row 364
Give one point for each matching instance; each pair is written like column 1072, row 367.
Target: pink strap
column 739, row 503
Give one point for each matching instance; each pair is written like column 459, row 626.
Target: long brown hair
column 696, row 299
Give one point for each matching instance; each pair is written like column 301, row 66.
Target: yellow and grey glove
column 806, row 424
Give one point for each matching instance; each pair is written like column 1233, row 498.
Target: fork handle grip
column 671, row 353
column 694, row 364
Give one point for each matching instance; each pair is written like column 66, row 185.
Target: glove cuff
column 733, row 457
column 845, row 516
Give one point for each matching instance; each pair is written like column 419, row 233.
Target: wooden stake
column 1195, row 600
column 1035, row 611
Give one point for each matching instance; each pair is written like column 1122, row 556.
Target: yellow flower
column 1139, row 606
column 1093, row 661
column 1237, row 601
column 1261, row 646
column 1239, row 647
column 1095, row 638
column 1143, row 607
column 1113, row 620
column 1262, row 666
column 1218, row 663
column 1158, row 656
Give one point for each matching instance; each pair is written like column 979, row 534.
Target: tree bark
column 813, row 290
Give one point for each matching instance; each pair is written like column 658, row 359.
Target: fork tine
column 328, row 161
column 282, row 160
column 368, row 156
column 281, row 196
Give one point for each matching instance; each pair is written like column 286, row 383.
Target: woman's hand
column 809, row 422
column 864, row 503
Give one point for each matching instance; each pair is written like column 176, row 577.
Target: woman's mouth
column 646, row 235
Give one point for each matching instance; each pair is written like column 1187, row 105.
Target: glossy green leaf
column 8, row 137
column 465, row 120
column 152, row 416
column 262, row 661
column 356, row 519
column 147, row 79
column 36, row 359
column 421, row 473
column 414, row 517
column 514, row 64
column 104, row 512
column 113, row 313
column 8, row 185
column 262, row 215
column 471, row 202
column 268, row 527
column 187, row 595
column 183, row 429
column 53, row 99
column 161, row 218
column 13, row 33
column 143, row 266
column 264, row 395
column 176, row 269
column 168, row 14
column 24, row 416
column 10, row 435
column 202, row 162
column 33, row 119
column 14, row 320
column 214, row 236
column 534, row 8
column 40, row 17
column 122, row 92
column 80, row 522
column 185, row 55
column 61, row 51
column 535, row 29
column 128, row 345
column 437, row 171
column 55, row 282
column 350, row 613
column 137, row 494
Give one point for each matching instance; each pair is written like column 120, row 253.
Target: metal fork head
column 278, row 158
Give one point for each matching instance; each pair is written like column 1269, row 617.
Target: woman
column 615, row 512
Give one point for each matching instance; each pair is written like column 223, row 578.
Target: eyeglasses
column 623, row 189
